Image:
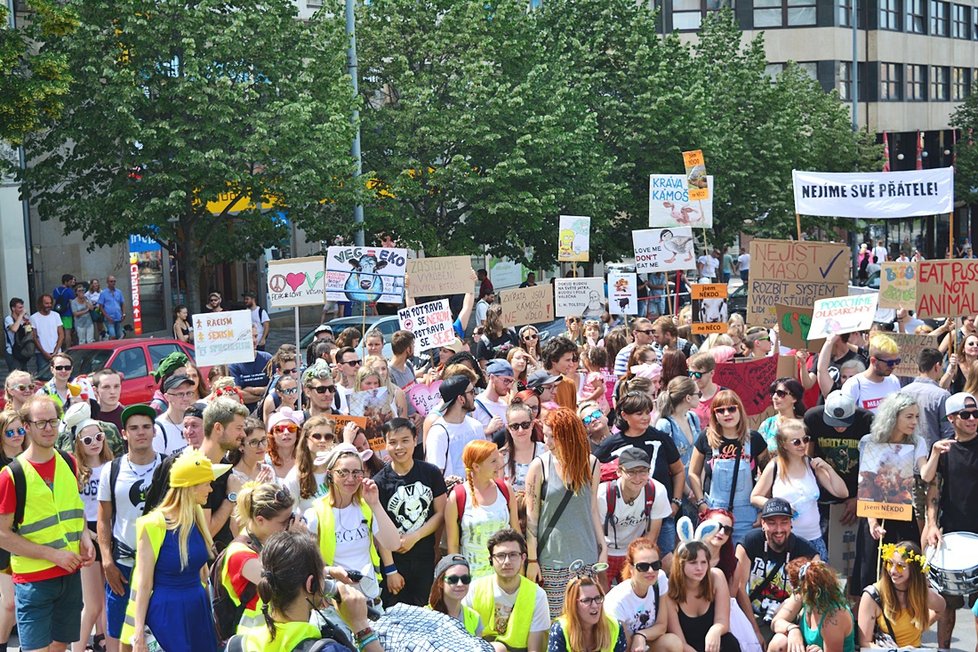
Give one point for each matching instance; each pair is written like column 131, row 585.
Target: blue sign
column 139, row 244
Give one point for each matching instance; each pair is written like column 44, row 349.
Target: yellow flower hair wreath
column 909, row 556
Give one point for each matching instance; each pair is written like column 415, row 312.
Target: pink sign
column 424, row 397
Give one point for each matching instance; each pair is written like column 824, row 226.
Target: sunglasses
column 899, row 566
column 353, row 363
column 798, row 441
column 521, row 425
column 290, row 427
column 726, row 529
column 573, row 320
column 646, row 566
column 591, row 418
column 18, row 432
column 322, row 389
column 727, row 409
column 62, row 367
column 290, row 391
column 890, row 363
column 456, row 579
column 780, row 393
column 21, row 388
column 530, row 336
column 696, row 374
column 647, row 331
column 288, row 372
column 322, row 436
column 88, row 440
column 970, row 414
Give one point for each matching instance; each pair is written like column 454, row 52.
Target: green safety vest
column 250, row 617
column 327, row 532
column 517, row 632
column 287, row 637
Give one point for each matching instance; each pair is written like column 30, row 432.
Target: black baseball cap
column 777, row 507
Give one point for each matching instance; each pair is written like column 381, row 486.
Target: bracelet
column 367, row 641
column 791, row 628
column 389, row 570
column 641, row 634
column 677, row 501
column 701, row 501
column 364, row 633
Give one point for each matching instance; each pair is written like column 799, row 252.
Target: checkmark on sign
column 826, row 270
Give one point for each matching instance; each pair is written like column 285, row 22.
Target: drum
column 954, row 564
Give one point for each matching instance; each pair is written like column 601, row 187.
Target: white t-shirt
column 743, row 261
column 446, row 441
column 880, row 252
column 479, row 522
column 709, row 264
column 258, row 317
column 8, row 321
column 628, row 522
column 504, row 603
column 352, row 544
column 89, row 494
column 169, row 436
column 130, row 496
column 868, row 394
column 486, row 409
column 47, row 329
column 291, row 482
column 633, row 612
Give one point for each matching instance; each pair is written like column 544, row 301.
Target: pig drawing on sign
column 713, row 310
column 683, row 215
column 364, row 284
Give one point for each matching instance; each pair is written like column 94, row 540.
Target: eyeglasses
column 322, row 389
column 21, row 388
column 696, row 374
column 587, row 602
column 798, row 441
column 970, row 414
column 505, row 380
column 18, row 432
column 45, row 423
column 646, row 566
column 182, row 395
column 503, row 557
column 258, row 443
column 890, row 363
column 647, row 331
column 638, row 470
column 591, row 418
column 288, row 372
column 290, row 391
column 456, row 579
column 530, row 336
column 780, row 393
column 727, row 409
column 62, row 367
column 352, row 363
column 88, row 440
column 521, row 425
column 322, row 436
column 343, row 474
column 469, row 391
column 283, row 427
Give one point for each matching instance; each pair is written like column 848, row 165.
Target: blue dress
column 179, row 613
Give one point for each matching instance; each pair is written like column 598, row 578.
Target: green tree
column 173, row 105
column 965, row 119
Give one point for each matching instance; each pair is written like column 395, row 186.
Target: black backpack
column 20, row 484
column 22, row 345
column 227, row 614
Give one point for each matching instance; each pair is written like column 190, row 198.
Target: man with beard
column 870, row 387
column 450, row 433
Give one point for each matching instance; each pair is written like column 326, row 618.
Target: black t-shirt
column 659, row 446
column 835, row 364
column 958, row 498
column 839, row 449
column 410, row 501
column 219, row 493
column 490, row 347
column 763, row 560
column 728, row 448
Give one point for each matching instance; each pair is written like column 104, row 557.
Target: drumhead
column 958, row 552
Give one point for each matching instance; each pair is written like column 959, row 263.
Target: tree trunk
column 190, row 261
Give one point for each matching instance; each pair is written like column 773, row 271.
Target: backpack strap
column 875, row 595
column 114, row 467
column 649, row 501
column 458, row 493
column 504, row 490
column 235, row 644
column 611, row 499
column 655, row 595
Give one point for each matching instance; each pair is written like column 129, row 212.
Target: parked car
column 386, row 324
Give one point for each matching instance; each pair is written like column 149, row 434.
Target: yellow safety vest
column 327, row 532
column 53, row 517
column 613, row 627
column 250, row 617
column 287, row 637
column 470, row 619
column 154, row 525
column 517, row 632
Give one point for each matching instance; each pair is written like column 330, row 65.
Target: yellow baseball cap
column 193, row 468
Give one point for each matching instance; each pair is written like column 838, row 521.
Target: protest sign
column 910, row 347
column 898, row 285
column 794, row 274
column 841, row 540
column 439, row 277
column 752, row 379
column 947, row 288
column 527, row 305
column 579, row 297
column 574, row 239
column 793, row 327
column 671, row 206
column 375, row 406
column 223, row 338
column 696, row 174
column 341, row 420
column 874, row 195
column 838, row 315
column 623, row 293
column 365, row 274
column 430, row 322
column 885, row 488
column 709, row 307
column 663, row 250
column 424, row 397
column 296, row 282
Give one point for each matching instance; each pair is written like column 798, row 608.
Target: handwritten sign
column 663, row 250
column 794, row 274
column 579, row 297
column 838, row 315
column 947, row 288
column 430, row 322
column 296, row 282
column 696, row 174
column 752, row 379
column 623, row 293
column 898, row 285
column 523, row 306
column 670, row 205
column 439, row 277
column 885, row 488
column 574, row 239
column 423, row 397
column 223, row 338
column 709, row 307
column 793, row 327
column 910, row 347
column 365, row 274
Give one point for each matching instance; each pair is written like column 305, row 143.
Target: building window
column 939, row 18
column 845, row 80
column 891, row 82
column 686, row 14
column 961, row 84
column 844, row 10
column 960, row 21
column 772, row 70
column 916, row 82
column 940, row 83
column 916, row 20
column 784, row 13
column 890, row 15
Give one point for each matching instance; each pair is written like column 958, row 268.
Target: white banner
column 296, row 282
column 663, row 250
column 670, row 205
column 874, row 195
column 430, row 322
column 579, row 297
column 622, row 293
column 223, row 338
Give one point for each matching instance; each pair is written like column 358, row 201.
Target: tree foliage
column 965, row 119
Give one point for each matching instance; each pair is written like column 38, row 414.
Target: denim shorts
column 48, row 611
column 115, row 605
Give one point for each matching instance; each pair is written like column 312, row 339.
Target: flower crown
column 909, row 556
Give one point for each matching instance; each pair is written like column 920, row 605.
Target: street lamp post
column 854, row 19
column 351, row 59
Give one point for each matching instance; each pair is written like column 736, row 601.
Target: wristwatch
column 678, row 502
column 233, row 497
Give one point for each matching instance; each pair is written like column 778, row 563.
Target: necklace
column 142, row 475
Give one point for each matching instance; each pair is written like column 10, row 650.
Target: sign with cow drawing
column 709, row 307
column 622, row 293
column 365, row 274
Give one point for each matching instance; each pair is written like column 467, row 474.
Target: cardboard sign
column 579, row 297
column 527, row 305
column 947, row 288
column 663, row 250
column 840, row 315
column 696, row 174
column 709, row 307
column 670, row 205
column 430, row 322
column 874, row 195
column 439, row 277
column 423, row 397
column 910, row 347
column 793, row 327
column 296, row 282
column 623, row 293
column 794, row 274
column 752, row 380
column 574, row 239
column 341, row 420
column 223, row 338
column 885, row 487
column 898, row 285
column 366, row 274
column 841, row 540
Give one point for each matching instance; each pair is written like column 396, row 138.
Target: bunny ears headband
column 687, row 534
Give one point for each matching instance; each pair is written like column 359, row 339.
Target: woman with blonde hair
column 17, row 388
column 307, row 479
column 380, row 365
column 282, row 428
column 699, row 601
column 487, row 504
column 584, row 626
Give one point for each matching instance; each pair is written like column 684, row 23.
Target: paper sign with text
column 793, row 274
column 885, row 488
column 752, row 380
column 439, row 277
column 663, row 250
column 838, row 315
column 947, row 288
column 898, row 285
column 696, row 174
column 710, row 310
column 574, row 239
column 296, row 282
column 523, row 306
column 423, row 397
column 223, row 338
column 623, row 291
column 430, row 322
column 670, row 205
column 874, row 195
column 793, row 327
column 365, row 274
column 910, row 347
column 579, row 297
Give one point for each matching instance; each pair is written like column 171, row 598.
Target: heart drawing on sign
column 424, row 397
column 295, row 279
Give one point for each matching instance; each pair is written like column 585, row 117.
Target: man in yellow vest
column 51, row 543
column 514, row 610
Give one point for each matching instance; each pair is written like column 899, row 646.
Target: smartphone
column 356, row 576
